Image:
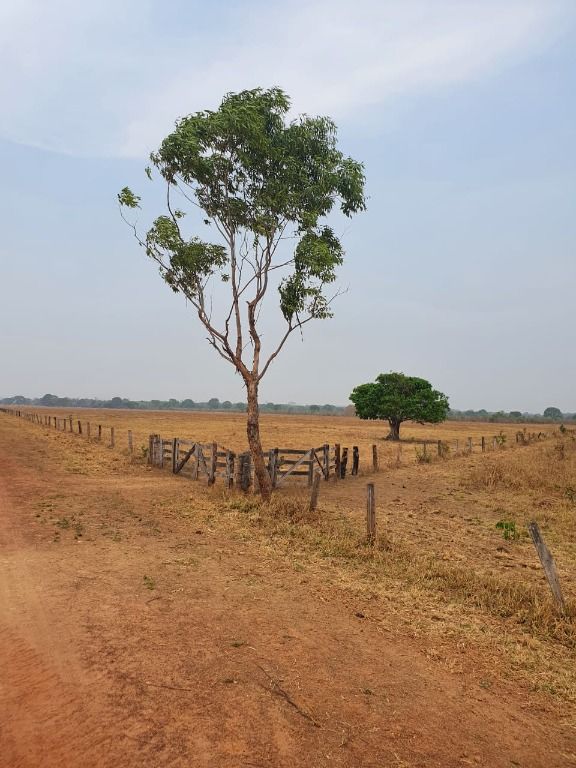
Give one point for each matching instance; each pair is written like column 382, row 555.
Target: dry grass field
column 284, row 431
column 192, row 623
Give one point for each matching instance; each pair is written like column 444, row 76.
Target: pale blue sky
column 462, row 270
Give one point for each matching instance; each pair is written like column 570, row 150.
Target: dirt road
column 136, row 630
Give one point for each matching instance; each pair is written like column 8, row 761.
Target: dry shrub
column 293, row 508
column 423, row 456
column 551, row 469
column 528, row 606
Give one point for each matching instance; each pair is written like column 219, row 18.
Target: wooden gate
column 295, row 462
column 210, row 460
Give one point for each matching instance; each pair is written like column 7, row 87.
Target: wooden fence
column 210, row 460
column 198, row 460
column 90, row 430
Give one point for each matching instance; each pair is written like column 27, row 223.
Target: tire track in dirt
column 50, row 714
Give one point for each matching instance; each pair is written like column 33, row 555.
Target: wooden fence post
column 99, row 431
column 151, row 449
column 213, row 462
column 245, row 471
column 111, row 437
column 470, row 445
column 79, row 427
column 315, row 491
column 483, row 444
column 229, row 469
column 344, row 463
column 337, row 461
column 548, row 565
column 88, row 430
column 375, row 458
column 370, row 514
column 326, row 451
column 355, row 460
column 273, row 465
column 71, row 428
column 174, row 454
column 130, row 441
column 311, row 467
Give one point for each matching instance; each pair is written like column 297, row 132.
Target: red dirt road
column 131, row 635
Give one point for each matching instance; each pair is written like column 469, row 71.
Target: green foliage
column 398, row 398
column 552, row 413
column 251, row 171
column 508, row 528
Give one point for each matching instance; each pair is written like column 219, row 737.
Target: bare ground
column 133, row 633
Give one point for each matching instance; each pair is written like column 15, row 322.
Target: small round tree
column 397, row 398
column 553, row 413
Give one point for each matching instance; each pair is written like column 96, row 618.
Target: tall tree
column 397, row 398
column 262, row 182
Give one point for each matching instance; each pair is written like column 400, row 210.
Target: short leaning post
column 375, row 458
column 548, row 564
column 370, row 514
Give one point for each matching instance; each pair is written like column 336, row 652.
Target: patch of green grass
column 508, row 528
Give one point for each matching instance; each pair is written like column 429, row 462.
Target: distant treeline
column 214, row 404
column 551, row 414
column 516, row 417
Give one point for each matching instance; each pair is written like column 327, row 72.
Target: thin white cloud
column 102, row 78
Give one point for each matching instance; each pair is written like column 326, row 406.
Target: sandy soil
column 135, row 633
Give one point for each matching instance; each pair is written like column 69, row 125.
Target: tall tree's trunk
column 253, row 431
column 394, row 433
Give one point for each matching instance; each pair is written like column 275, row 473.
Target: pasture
column 186, row 597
